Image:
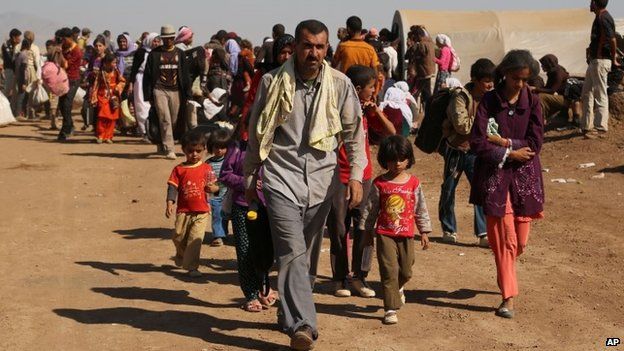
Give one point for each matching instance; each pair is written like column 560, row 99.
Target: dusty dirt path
column 86, row 262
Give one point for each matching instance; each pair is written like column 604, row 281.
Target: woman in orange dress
column 106, row 98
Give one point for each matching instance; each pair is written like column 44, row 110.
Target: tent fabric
column 564, row 33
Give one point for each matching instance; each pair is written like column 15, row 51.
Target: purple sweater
column 232, row 173
column 523, row 181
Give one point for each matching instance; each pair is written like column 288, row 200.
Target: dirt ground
column 86, row 261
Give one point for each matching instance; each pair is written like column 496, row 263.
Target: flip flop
column 252, row 306
column 268, row 301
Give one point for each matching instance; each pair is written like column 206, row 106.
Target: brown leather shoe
column 303, row 339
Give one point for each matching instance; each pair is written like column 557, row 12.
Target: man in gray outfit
column 302, row 112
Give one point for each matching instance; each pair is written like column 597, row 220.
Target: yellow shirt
column 355, row 52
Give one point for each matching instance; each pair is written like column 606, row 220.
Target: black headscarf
column 549, row 62
column 279, row 44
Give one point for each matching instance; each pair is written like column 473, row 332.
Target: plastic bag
column 127, row 118
column 40, row 95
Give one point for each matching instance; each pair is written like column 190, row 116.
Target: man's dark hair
column 221, row 35
column 354, row 24
column 361, row 75
column 50, row 42
column 107, row 33
column 15, row 32
column 395, row 148
column 601, row 4
column 75, row 30
column 313, row 26
column 218, row 139
column 193, row 137
column 385, row 35
column 483, row 69
column 278, row 30
column 65, row 32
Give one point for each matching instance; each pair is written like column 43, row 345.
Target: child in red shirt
column 340, row 216
column 188, row 184
column 396, row 202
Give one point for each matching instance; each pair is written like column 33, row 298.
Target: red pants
column 508, row 237
column 105, row 128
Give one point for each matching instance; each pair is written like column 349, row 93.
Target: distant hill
column 44, row 28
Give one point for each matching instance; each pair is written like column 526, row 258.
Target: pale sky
column 250, row 19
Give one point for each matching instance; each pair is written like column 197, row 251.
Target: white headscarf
column 453, row 83
column 149, row 40
column 405, row 88
column 396, row 98
column 444, row 40
column 210, row 108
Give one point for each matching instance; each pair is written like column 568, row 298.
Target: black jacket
column 152, row 74
column 8, row 55
column 139, row 57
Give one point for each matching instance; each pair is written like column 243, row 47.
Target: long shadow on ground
column 229, row 278
column 430, row 298
column 184, row 323
column 145, row 233
column 349, row 310
column 173, row 297
column 127, row 155
column 163, row 234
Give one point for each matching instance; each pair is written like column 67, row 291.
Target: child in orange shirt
column 106, row 97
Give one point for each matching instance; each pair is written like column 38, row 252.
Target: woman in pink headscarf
column 184, row 39
column 444, row 60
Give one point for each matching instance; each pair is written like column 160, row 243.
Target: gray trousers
column 338, row 226
column 167, row 103
column 297, row 236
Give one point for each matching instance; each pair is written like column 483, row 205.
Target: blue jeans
column 219, row 223
column 457, row 162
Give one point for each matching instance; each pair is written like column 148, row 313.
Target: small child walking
column 106, row 98
column 340, row 215
column 396, row 202
column 217, row 146
column 188, row 184
column 232, row 176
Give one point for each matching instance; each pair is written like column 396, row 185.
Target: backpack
column 54, row 78
column 573, row 89
column 429, row 134
column 455, row 62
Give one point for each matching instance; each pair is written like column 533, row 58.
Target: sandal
column 504, row 312
column 269, row 300
column 252, row 306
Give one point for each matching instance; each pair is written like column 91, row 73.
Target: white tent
column 490, row 34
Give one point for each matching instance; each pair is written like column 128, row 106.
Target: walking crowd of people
column 277, row 140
